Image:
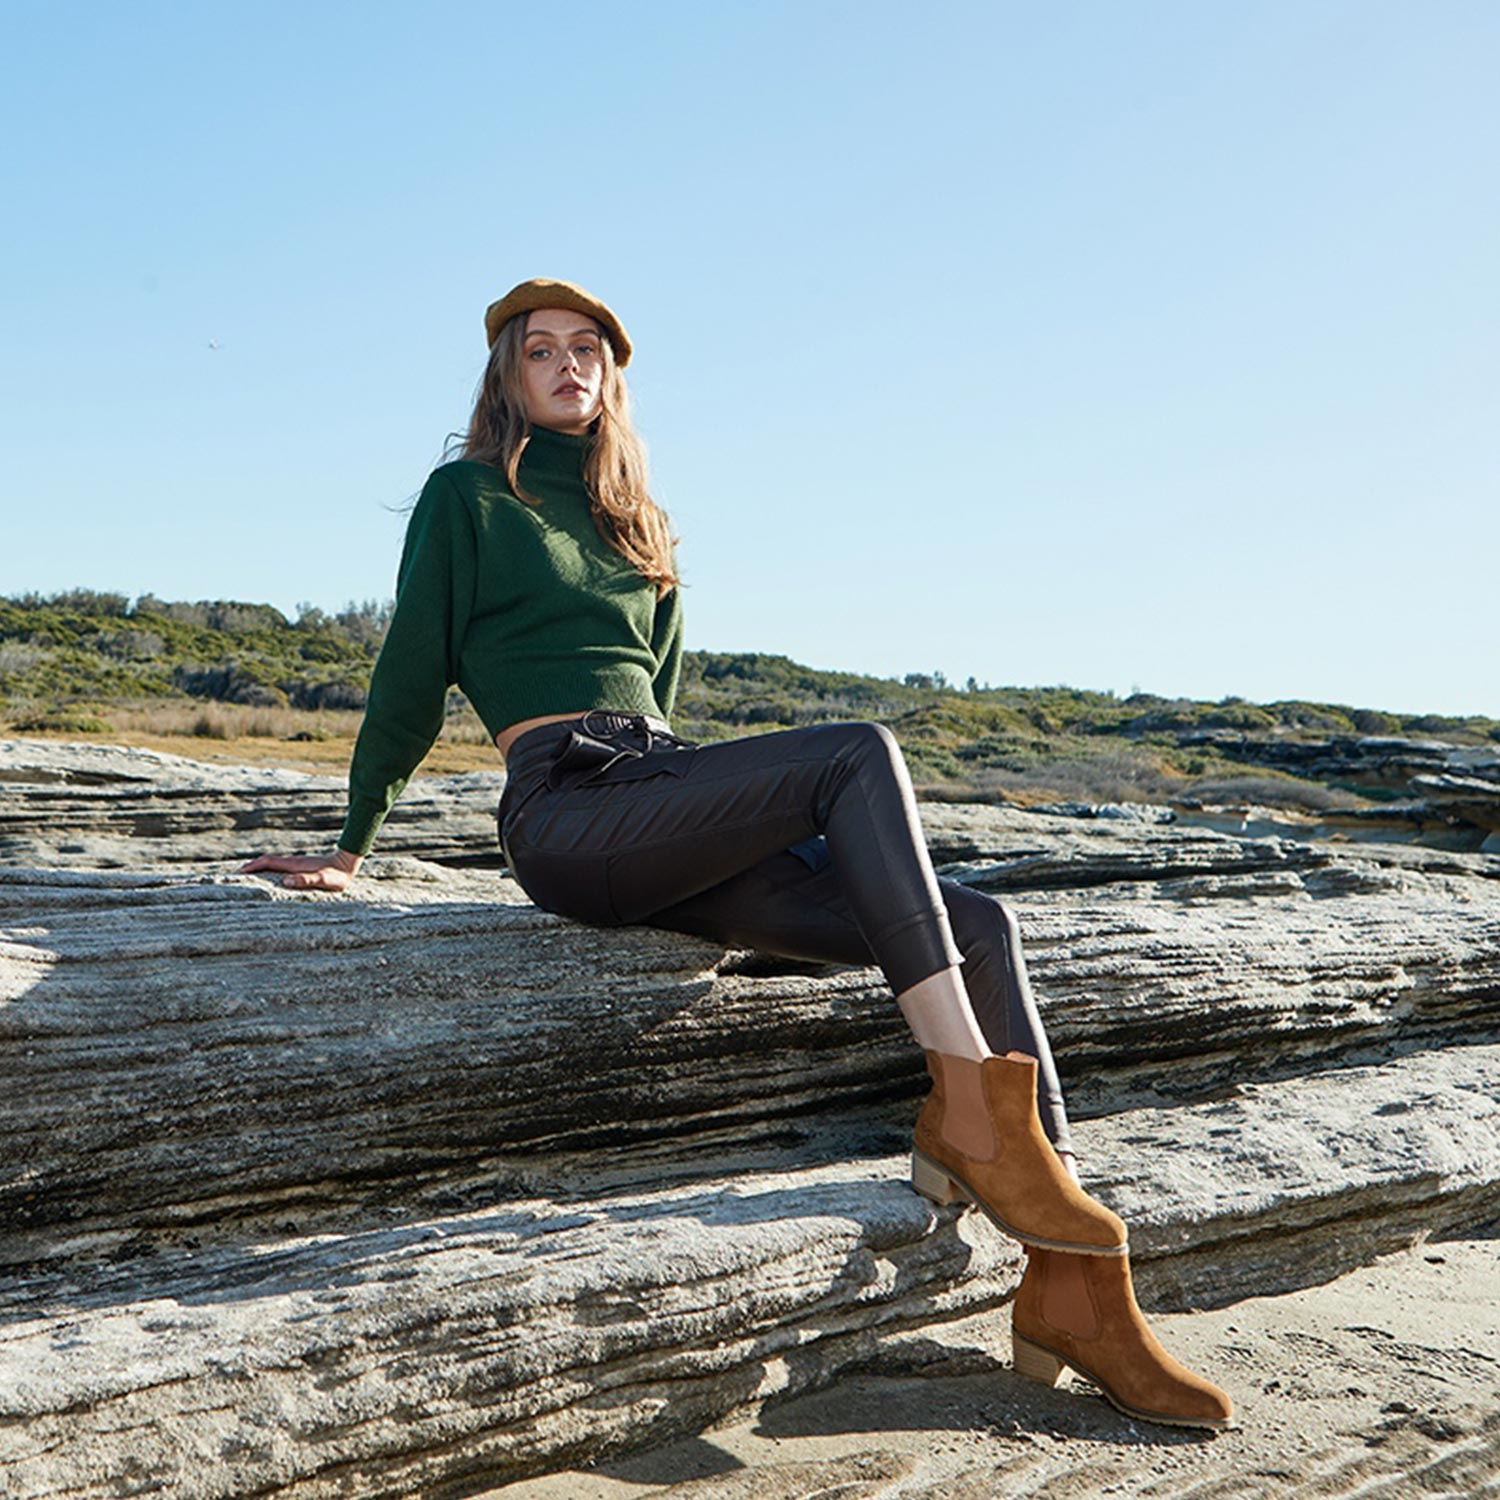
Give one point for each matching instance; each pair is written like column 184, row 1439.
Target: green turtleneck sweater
column 527, row 608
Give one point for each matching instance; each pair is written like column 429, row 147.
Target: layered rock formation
column 97, row 807
column 419, row 1186
column 1442, row 787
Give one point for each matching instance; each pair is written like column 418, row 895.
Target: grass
column 229, row 681
column 319, row 741
column 1022, row 770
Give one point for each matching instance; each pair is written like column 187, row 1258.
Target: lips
column 568, row 390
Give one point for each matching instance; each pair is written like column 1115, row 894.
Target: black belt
column 602, row 737
column 607, row 723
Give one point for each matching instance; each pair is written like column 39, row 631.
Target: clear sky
column 1126, row 345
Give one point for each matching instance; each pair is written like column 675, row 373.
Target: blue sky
column 1129, row 346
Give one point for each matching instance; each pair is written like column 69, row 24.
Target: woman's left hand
column 308, row 872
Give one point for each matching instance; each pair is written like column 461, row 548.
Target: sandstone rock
column 1376, row 762
column 633, row 1301
column 1129, row 812
column 100, row 807
column 178, row 1048
column 1472, row 798
column 385, row 1193
column 1380, row 1383
column 410, row 1354
column 1458, row 786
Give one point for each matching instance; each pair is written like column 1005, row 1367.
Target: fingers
column 297, row 863
column 269, row 863
column 316, row 880
column 302, row 871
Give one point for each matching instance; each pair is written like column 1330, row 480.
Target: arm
column 418, row 659
column 666, row 647
column 409, row 686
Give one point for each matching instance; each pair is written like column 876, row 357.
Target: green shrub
column 62, row 721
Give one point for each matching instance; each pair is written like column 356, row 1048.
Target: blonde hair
column 614, row 470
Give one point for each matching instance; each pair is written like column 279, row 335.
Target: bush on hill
column 67, row 653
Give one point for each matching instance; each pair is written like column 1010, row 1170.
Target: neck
column 561, row 437
column 559, row 455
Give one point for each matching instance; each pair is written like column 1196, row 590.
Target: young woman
column 539, row 576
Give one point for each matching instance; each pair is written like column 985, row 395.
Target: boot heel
column 932, row 1182
column 1034, row 1362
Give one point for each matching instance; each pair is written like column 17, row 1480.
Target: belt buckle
column 617, row 724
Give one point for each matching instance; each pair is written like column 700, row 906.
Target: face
column 562, row 369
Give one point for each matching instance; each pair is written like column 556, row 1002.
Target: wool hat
column 540, row 292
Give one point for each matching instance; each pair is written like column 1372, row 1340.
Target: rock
column 417, row 1354
column 1380, row 1383
column 1374, row 762
column 1474, row 799
column 1130, row 812
column 100, row 807
column 1296, row 1181
column 415, row 1187
column 1458, row 786
column 177, row 1048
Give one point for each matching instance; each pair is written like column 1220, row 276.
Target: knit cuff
column 362, row 824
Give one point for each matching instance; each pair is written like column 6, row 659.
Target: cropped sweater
column 527, row 608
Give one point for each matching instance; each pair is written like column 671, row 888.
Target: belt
column 602, row 721
column 601, row 724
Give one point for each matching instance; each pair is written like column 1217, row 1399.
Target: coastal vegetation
column 153, row 672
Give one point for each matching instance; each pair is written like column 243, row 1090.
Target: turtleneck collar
column 556, row 455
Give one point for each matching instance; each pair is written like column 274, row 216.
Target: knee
column 866, row 740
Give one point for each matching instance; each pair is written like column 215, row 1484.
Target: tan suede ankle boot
column 1080, row 1311
column 979, row 1138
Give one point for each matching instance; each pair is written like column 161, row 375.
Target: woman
column 539, row 576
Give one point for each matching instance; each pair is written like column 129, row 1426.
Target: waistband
column 600, row 722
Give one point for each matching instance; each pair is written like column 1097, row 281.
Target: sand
column 1384, row 1383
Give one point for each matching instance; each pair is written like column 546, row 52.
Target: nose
column 569, row 360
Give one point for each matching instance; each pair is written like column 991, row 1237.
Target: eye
column 541, row 351
column 588, row 349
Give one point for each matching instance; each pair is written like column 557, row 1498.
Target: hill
column 96, row 664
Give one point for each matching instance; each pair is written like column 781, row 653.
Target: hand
column 309, row 872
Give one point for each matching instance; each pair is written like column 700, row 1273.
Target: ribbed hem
column 527, row 690
column 362, row 825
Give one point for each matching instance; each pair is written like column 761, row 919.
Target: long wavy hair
column 614, row 471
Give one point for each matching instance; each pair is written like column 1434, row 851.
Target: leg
column 619, row 840
column 796, row 907
column 979, row 1135
column 643, row 834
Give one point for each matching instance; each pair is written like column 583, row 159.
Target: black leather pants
column 803, row 843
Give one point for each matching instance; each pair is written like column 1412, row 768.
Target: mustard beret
column 539, row 292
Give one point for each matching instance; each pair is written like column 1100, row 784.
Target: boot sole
column 1034, row 1361
column 941, row 1185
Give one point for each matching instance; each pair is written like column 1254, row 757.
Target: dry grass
column 228, row 734
column 1137, row 774
column 231, row 721
column 1123, row 775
